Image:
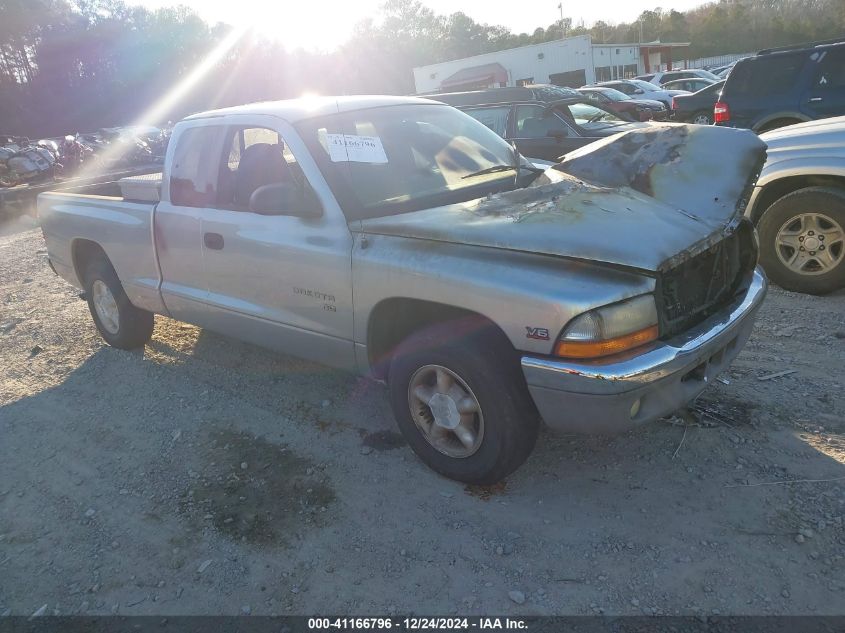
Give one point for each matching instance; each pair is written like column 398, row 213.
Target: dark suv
column 782, row 86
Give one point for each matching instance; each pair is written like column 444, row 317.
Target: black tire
column 703, row 114
column 134, row 326
column 483, row 359
column 829, row 201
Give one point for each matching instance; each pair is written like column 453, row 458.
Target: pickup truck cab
column 403, row 239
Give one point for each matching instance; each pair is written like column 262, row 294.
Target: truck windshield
column 395, row 159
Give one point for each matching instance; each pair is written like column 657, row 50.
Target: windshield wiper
column 489, row 170
column 533, row 169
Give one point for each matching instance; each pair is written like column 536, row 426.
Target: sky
column 325, row 24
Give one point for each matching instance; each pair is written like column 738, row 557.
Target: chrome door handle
column 815, row 99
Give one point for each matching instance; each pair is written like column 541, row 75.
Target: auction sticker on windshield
column 345, row 148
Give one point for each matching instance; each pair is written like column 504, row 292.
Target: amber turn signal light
column 597, row 349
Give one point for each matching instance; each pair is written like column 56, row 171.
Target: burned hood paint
column 646, row 199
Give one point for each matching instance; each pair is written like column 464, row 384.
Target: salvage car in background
column 22, row 161
column 639, row 89
column 529, row 92
column 689, row 85
column 698, row 106
column 625, row 106
column 798, row 205
column 401, row 238
column 540, row 130
column 665, row 76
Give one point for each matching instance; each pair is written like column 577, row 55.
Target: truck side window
column 256, row 157
column 193, row 175
column 496, row 118
column 538, row 122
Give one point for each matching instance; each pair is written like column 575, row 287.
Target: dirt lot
column 207, row 476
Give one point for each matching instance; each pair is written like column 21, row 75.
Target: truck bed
column 122, row 228
column 22, row 198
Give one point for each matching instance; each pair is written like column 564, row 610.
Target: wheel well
column 774, row 124
column 393, row 320
column 83, row 252
column 776, row 190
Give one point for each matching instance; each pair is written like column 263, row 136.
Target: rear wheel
column 121, row 324
column 463, row 406
column 802, row 240
column 702, row 118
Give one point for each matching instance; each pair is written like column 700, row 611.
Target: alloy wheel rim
column 105, row 306
column 810, row 244
column 446, row 411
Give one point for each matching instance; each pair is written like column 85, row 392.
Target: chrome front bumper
column 600, row 397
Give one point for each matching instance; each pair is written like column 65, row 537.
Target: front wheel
column 802, row 240
column 463, row 406
column 121, row 324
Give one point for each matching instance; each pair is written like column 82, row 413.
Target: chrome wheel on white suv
column 810, row 244
column 802, row 240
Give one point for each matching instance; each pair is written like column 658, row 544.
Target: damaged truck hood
column 645, row 199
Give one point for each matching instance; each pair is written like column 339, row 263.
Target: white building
column 573, row 62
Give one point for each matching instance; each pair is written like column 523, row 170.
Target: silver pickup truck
column 400, row 238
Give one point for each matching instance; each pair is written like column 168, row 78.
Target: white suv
column 661, row 78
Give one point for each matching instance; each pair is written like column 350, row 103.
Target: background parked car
column 783, row 86
column 639, row 89
column 538, row 129
column 697, row 107
column 690, row 85
column 625, row 106
column 670, row 75
column 531, row 92
column 798, row 205
column 724, row 71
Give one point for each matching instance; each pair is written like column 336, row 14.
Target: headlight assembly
column 610, row 329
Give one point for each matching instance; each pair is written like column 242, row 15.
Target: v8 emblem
column 538, row 333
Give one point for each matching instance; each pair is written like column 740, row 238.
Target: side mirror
column 284, row 198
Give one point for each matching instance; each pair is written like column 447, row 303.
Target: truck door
column 277, row 279
column 189, row 186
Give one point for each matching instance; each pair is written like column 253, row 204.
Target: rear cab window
column 193, row 171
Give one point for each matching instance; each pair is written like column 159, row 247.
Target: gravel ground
column 205, row 476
